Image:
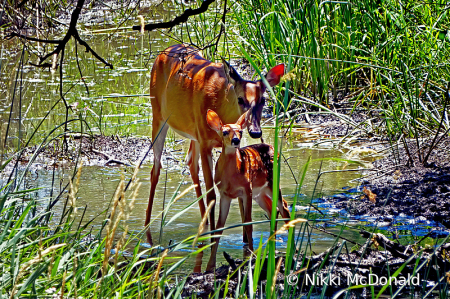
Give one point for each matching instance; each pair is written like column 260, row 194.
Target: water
column 97, row 186
column 95, row 95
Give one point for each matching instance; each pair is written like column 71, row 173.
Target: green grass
column 385, row 55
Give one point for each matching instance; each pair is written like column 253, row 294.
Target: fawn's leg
column 223, row 214
column 244, row 233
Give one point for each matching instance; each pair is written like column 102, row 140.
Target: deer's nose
column 235, row 141
column 256, row 134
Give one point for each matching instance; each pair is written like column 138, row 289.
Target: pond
column 98, row 183
column 116, row 102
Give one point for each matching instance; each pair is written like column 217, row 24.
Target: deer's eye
column 241, row 101
column 240, row 132
column 225, row 133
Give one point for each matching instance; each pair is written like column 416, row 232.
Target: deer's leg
column 283, row 208
column 247, row 202
column 241, row 208
column 192, row 160
column 223, row 214
column 158, row 145
column 265, row 202
column 207, row 166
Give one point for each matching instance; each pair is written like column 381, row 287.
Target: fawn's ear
column 213, row 121
column 275, row 74
column 242, row 121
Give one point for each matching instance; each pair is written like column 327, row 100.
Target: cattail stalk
column 142, row 23
column 75, row 266
column 113, row 223
column 127, row 209
column 277, row 270
column 63, row 284
column 74, row 190
column 155, row 277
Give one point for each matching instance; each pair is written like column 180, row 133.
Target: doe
column 244, row 173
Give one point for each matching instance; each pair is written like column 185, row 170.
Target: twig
column 33, row 39
column 89, row 49
column 434, row 143
column 335, row 235
column 79, row 69
column 44, row 65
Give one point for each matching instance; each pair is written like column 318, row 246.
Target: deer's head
column 250, row 95
column 231, row 134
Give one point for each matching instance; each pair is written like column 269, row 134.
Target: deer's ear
column 230, row 72
column 213, row 121
column 275, row 74
column 242, row 121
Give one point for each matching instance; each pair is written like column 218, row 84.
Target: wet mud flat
column 341, row 266
column 96, row 150
column 406, row 187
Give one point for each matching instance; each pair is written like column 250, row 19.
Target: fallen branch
column 230, row 261
column 110, row 159
column 396, row 249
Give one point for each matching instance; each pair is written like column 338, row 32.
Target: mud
column 95, row 150
column 342, row 264
column 407, row 187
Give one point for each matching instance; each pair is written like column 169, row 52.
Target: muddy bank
column 95, row 150
column 404, row 186
column 343, row 264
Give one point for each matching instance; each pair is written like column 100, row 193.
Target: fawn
column 244, row 173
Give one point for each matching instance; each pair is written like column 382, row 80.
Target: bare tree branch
column 33, row 39
column 89, row 49
column 178, row 20
column 61, row 44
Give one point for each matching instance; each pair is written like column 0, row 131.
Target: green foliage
column 386, row 55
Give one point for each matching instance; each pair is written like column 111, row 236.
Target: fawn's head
column 250, row 94
column 231, row 133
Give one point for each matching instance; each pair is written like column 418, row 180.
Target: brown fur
column 243, row 173
column 256, row 158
